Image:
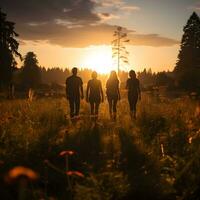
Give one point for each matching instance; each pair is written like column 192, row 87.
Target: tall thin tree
column 119, row 51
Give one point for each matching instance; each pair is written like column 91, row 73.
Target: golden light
column 99, row 58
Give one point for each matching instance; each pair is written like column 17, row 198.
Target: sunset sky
column 67, row 33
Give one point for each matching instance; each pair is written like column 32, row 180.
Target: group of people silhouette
column 95, row 94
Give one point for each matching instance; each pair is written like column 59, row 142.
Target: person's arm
column 101, row 90
column 67, row 89
column 87, row 91
column 81, row 87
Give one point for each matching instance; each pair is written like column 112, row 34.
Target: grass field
column 153, row 157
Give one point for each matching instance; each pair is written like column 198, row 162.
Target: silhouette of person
column 113, row 94
column 74, row 91
column 94, row 94
column 133, row 87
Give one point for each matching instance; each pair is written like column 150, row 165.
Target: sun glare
column 99, row 58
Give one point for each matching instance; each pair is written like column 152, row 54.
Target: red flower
column 19, row 171
column 74, row 173
column 68, row 153
column 46, row 162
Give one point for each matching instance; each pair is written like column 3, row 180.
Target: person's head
column 132, row 74
column 113, row 75
column 74, row 71
column 94, row 75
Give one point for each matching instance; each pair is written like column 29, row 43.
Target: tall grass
column 143, row 159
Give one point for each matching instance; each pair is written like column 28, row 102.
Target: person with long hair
column 94, row 94
column 134, row 93
column 113, row 94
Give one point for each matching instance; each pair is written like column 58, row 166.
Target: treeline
column 185, row 75
column 31, row 75
column 59, row 75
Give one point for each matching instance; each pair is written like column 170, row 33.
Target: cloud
column 73, row 23
column 154, row 40
column 117, row 5
column 111, row 3
column 130, row 8
column 195, row 7
column 68, row 37
column 107, row 16
column 26, row 11
column 83, row 36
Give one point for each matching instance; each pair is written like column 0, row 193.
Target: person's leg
column 110, row 106
column 92, row 107
column 77, row 107
column 135, row 99
column 114, row 109
column 96, row 109
column 131, row 106
column 71, row 105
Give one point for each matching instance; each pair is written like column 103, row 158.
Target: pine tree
column 8, row 49
column 31, row 74
column 187, row 69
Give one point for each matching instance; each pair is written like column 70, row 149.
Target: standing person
column 74, row 91
column 133, row 87
column 94, row 94
column 113, row 94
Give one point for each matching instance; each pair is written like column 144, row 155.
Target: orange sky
column 78, row 33
column 162, row 58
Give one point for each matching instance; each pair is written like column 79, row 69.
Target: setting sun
column 101, row 97
column 99, row 59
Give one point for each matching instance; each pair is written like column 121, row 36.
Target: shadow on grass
column 143, row 172
column 88, row 147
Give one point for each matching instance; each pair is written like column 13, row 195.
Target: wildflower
column 76, row 173
column 46, row 162
column 190, row 140
column 162, row 150
column 66, row 153
column 21, row 171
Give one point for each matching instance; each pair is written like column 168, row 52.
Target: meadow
column 156, row 156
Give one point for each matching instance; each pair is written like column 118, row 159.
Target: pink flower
column 74, row 173
column 46, row 162
column 64, row 153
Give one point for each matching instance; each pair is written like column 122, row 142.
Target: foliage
column 8, row 49
column 121, row 160
column 106, row 185
column 30, row 74
column 188, row 65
